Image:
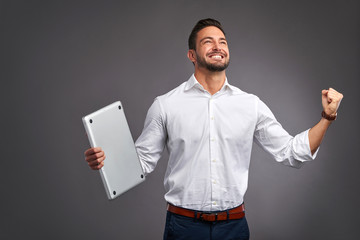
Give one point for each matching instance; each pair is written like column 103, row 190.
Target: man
column 208, row 127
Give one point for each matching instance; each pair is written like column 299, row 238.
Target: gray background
column 64, row 59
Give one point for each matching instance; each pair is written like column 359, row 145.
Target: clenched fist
column 331, row 101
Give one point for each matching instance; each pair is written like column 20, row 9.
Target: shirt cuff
column 302, row 149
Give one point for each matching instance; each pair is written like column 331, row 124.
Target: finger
column 332, row 95
column 91, row 151
column 324, row 94
column 96, row 162
column 332, row 90
column 97, row 167
column 94, row 156
column 335, row 96
column 100, row 165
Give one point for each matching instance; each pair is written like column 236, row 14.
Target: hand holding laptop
column 95, row 158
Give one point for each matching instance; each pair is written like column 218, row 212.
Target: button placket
column 213, row 156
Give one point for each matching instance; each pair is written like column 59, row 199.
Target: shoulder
column 237, row 92
column 249, row 101
column 173, row 94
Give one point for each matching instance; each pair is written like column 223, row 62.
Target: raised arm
column 330, row 101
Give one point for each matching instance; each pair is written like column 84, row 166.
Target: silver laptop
column 107, row 128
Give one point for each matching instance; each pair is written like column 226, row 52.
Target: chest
column 194, row 118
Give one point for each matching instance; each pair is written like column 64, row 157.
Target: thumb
column 324, row 97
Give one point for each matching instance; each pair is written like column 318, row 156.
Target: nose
column 216, row 46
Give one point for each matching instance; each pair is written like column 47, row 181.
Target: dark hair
column 203, row 23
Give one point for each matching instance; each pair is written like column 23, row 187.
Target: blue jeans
column 179, row 227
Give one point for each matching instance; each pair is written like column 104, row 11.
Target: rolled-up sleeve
column 151, row 142
column 274, row 139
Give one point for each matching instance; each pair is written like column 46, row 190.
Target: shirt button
column 214, row 160
column 214, row 182
column 213, row 139
column 212, row 118
column 214, row 203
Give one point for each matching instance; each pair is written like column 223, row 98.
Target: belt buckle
column 207, row 217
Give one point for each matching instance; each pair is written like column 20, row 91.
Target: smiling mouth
column 216, row 56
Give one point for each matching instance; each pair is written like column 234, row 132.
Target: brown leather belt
column 234, row 213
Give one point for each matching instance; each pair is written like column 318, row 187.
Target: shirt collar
column 193, row 83
column 231, row 87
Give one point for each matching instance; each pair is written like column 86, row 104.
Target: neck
column 211, row 81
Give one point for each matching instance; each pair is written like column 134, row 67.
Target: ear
column 191, row 55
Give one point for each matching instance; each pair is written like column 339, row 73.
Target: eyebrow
column 211, row 38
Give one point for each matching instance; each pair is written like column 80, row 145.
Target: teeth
column 217, row 57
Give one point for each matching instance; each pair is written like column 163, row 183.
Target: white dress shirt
column 209, row 140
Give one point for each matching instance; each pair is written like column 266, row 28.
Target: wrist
column 330, row 117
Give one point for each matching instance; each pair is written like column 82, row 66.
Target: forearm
column 317, row 133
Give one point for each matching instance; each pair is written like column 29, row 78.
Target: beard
column 217, row 67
